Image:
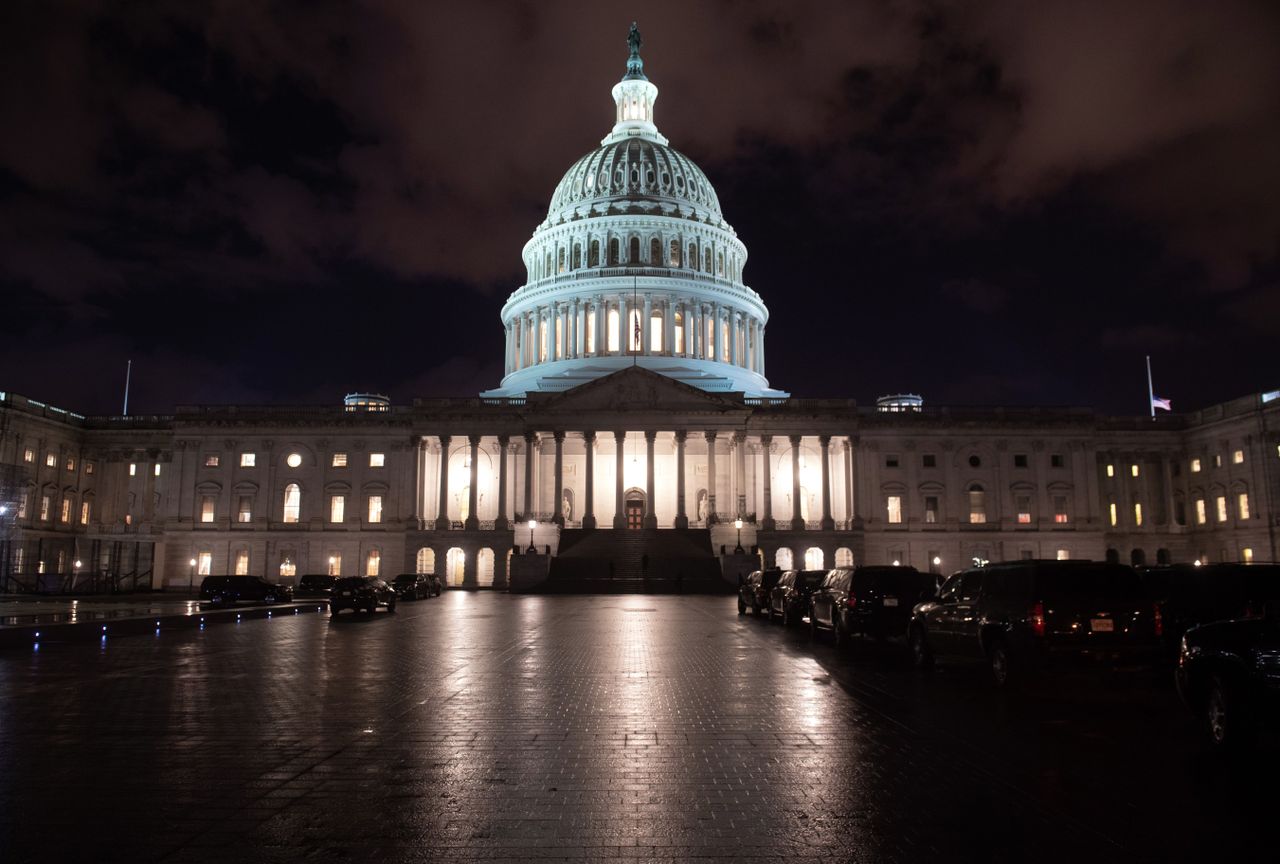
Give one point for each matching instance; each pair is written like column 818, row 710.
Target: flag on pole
column 1162, row 404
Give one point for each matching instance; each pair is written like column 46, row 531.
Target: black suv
column 790, row 597
column 413, row 586
column 1189, row 595
column 1020, row 614
column 1227, row 675
column 874, row 601
column 755, row 589
column 229, row 590
column 361, row 592
column 315, row 586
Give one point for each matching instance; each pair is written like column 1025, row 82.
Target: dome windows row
column 633, row 251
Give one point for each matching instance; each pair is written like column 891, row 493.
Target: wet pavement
column 642, row 728
column 25, row 611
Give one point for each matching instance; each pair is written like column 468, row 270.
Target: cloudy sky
column 1000, row 202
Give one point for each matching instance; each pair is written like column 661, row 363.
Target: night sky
column 995, row 203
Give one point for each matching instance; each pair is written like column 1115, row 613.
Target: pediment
column 638, row 389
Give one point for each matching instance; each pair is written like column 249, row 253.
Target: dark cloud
column 983, row 202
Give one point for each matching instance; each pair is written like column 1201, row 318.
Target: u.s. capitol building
column 634, row 414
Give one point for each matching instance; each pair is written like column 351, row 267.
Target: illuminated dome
column 634, row 265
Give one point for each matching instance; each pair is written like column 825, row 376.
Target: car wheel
column 921, row 656
column 1002, row 668
column 1227, row 723
column 269, row 600
column 742, row 607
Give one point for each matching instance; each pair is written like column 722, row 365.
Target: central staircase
column 606, row 561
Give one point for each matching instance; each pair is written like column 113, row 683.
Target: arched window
column 679, row 335
column 548, row 271
column 373, row 563
column 706, row 260
column 615, row 252
column 590, row 330
column 844, row 557
column 977, row 505
column 577, row 255
column 560, row 260
column 484, row 568
column 782, row 559
column 655, row 252
column 674, row 261
column 1138, row 558
column 455, row 566
column 724, row 341
column 292, row 502
column 594, row 259
column 633, row 251
column 693, row 256
column 542, row 341
column 426, row 562
column 611, row 331
column 634, row 332
column 559, row 340
column 656, row 328
column 813, row 558
column 720, row 263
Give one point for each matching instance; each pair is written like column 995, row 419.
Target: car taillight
column 852, row 602
column 1036, row 617
column 1157, row 620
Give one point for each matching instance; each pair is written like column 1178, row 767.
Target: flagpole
column 128, row 372
column 1151, row 393
column 635, row 303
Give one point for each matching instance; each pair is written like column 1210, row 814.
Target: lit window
column 51, row 460
column 128, row 518
column 1217, row 460
column 375, row 508
column 1134, row 470
column 207, row 504
column 1137, row 515
column 248, row 460
column 1060, row 516
column 1237, row 457
column 611, row 331
column 28, row 455
column 894, row 503
column 977, row 504
column 204, row 563
column 1246, row 555
column 242, row 562
column 133, row 469
column 1064, row 554
column 337, row 508
column 1242, row 505
column 1111, row 514
column 335, row 564
column 23, row 503
column 1201, row 515
column 1023, row 505
column 1111, row 470
column 931, row 509
column 373, row 563
column 244, row 512
column 156, row 471
column 293, row 460
column 211, row 461
column 288, row 569
column 88, row 467
column 84, row 512
column 71, row 463
column 377, row 460
column 1195, row 466
column 44, row 508
column 292, row 502
column 65, row 515
column 339, row 460
column 1221, row 502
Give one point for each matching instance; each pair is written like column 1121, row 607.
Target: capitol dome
column 634, row 265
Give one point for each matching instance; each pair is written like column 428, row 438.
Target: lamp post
column 532, row 524
column 332, row 561
column 191, row 575
column 737, row 523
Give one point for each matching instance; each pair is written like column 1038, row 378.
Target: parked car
column 1190, row 595
column 314, row 586
column 229, row 590
column 789, row 599
column 1227, row 674
column 874, row 601
column 413, row 586
column 1021, row 615
column 361, row 592
column 755, row 589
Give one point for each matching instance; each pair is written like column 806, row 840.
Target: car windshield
column 406, row 579
column 350, row 582
column 1093, row 581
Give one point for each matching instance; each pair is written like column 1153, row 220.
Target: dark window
column 891, row 461
column 1180, row 512
column 930, row 461
column 974, row 461
column 1057, row 460
column 1019, row 460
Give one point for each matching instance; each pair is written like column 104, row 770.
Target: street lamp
column 737, row 523
column 332, row 560
column 191, row 575
column 532, row 524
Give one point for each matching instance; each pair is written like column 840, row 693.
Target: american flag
column 1162, row 404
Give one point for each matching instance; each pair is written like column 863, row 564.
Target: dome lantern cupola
column 634, row 95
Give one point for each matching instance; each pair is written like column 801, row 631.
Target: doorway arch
column 455, row 566
column 634, row 508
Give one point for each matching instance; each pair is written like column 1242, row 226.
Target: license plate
column 891, row 601
column 1102, row 625
column 346, row 593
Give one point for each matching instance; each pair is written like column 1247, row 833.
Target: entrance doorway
column 635, row 510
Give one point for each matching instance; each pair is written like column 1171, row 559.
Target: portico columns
column 740, row 468
column 650, row 517
column 682, row 518
column 848, row 482
column 827, row 524
column 619, row 444
column 473, row 518
column 528, row 475
column 558, row 518
column 669, row 328
column 766, row 522
column 797, row 517
column 711, row 476
column 501, row 523
column 733, row 336
column 716, row 336
column 600, row 338
column 442, row 513
column 589, row 504
column 646, row 327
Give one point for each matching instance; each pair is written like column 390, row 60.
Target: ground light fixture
column 737, row 523
column 532, row 524
column 937, row 560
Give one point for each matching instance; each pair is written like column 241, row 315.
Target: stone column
column 601, row 338
column 711, row 476
column 619, row 516
column 682, row 517
column 528, row 475
column 848, row 482
column 828, row 524
column 622, row 326
column 473, row 498
column 646, row 326
column 501, row 523
column 558, row 473
column 797, row 517
column 650, row 516
column 442, row 515
column 714, row 341
column 669, row 328
column 740, row 463
column 589, row 504
column 760, row 351
column 766, row 518
column 420, row 490
column 733, row 336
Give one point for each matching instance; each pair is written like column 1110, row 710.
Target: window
column 335, row 564
column 1179, row 513
column 977, row 502
column 1221, row 502
column 1246, row 555
column 206, row 508
column 211, row 460
column 337, row 508
column 1201, row 516
column 1242, row 505
column 248, row 460
column 65, row 515
column 929, row 460
column 1111, row 470
column 1134, row 470
column 1217, row 460
column 244, row 512
column 71, row 463
column 292, row 502
column 611, row 331
column 339, row 460
column 288, row 568
column 293, row 460
column 1137, row 514
column 375, row 508
column 242, row 562
column 1057, row 460
column 51, row 460
column 1175, row 468
column 1237, row 458
column 1195, row 466
column 931, row 508
column 373, row 563
column 133, row 469
column 894, row 506
column 1111, row 514
column 88, row 467
column 44, row 508
column 891, row 461
column 23, row 503
column 1022, row 504
column 1019, row 460
column 84, row 512
column 156, row 471
column 1064, row 555
column 975, row 461
column 1060, row 516
column 28, row 455
column 204, row 563
column 377, row 460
